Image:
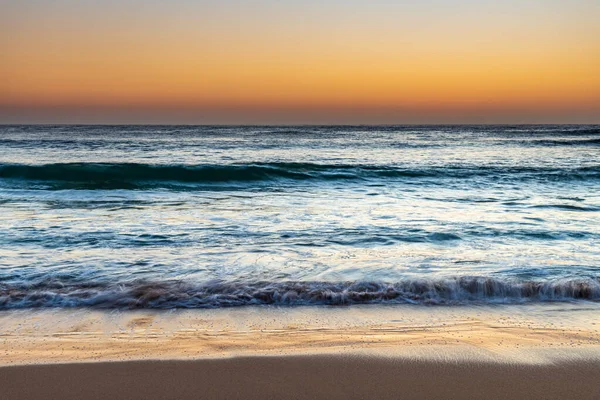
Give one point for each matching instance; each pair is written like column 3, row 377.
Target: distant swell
column 563, row 142
column 131, row 174
column 179, row 294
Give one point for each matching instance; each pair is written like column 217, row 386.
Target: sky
column 299, row 62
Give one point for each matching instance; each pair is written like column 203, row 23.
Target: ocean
column 164, row 217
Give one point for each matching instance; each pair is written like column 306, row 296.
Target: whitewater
column 125, row 217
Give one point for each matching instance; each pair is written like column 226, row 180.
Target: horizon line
column 302, row 125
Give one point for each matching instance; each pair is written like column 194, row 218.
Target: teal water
column 181, row 216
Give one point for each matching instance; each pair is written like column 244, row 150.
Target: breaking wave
column 180, row 294
column 132, row 174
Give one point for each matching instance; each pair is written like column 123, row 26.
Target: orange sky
column 271, row 61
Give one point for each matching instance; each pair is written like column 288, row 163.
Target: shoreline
column 526, row 334
column 549, row 351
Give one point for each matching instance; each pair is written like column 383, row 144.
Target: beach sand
column 507, row 352
column 301, row 377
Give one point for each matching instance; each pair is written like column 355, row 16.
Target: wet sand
column 508, row 352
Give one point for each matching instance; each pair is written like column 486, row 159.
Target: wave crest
column 180, row 294
column 132, row 174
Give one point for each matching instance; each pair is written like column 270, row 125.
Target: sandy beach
column 506, row 352
column 301, row 377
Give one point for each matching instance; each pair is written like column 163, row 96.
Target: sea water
column 215, row 216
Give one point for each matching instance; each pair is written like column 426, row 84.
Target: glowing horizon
column 459, row 61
